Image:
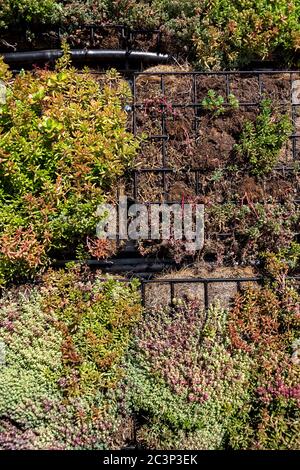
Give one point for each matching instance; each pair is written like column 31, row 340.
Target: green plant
column 252, row 229
column 291, row 255
column 63, row 144
column 217, row 175
column 260, row 143
column 233, row 101
column 228, row 380
column 286, row 260
column 234, row 33
column 31, row 11
column 215, row 103
column 95, row 321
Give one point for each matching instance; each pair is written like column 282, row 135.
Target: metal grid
column 240, row 282
column 195, row 104
column 34, row 38
column 291, row 105
column 206, row 282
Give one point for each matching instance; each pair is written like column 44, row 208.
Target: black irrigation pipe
column 85, row 55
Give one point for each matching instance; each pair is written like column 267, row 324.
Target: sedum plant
column 252, row 229
column 234, row 33
column 224, row 379
column 64, row 343
column 214, row 34
column 215, row 103
column 191, row 380
column 265, row 324
column 183, row 380
column 63, row 144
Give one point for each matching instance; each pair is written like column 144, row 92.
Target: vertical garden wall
column 198, row 349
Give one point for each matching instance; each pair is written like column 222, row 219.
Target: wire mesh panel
column 185, row 139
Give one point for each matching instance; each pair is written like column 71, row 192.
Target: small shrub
column 63, row 144
column 260, row 143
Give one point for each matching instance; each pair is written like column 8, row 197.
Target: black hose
column 83, row 55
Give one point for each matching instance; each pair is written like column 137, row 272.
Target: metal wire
column 172, row 282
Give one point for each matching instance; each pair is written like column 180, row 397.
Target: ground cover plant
column 184, row 383
column 224, row 380
column 80, row 364
column 28, row 11
column 236, row 233
column 207, row 118
column 63, row 144
column 266, row 325
column 64, row 343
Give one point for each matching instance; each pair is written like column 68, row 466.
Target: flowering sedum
column 265, row 324
column 184, row 379
column 224, row 380
column 64, row 346
column 189, row 380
